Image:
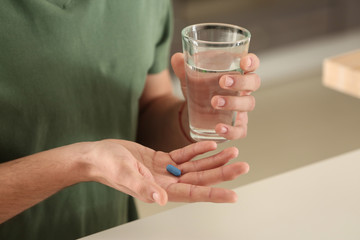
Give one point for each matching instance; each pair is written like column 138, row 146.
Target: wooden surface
column 342, row 73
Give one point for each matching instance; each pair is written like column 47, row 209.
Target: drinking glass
column 211, row 50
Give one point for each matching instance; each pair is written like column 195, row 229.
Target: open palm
column 197, row 176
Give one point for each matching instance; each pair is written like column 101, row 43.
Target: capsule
column 173, row 170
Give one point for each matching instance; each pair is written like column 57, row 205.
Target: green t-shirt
column 72, row 71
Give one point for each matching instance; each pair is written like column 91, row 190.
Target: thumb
column 177, row 63
column 146, row 188
column 149, row 191
column 159, row 195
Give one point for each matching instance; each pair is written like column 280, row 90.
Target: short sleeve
column 162, row 48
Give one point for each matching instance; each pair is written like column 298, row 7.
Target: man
column 80, row 82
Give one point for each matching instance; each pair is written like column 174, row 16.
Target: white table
column 318, row 201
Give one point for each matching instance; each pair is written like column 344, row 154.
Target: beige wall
column 273, row 23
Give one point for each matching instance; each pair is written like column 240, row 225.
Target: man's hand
column 141, row 172
column 242, row 103
column 126, row 166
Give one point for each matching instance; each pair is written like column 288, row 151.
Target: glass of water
column 211, row 50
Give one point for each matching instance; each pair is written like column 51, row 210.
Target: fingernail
column 156, row 197
column 221, row 102
column 223, row 130
column 228, row 81
column 249, row 61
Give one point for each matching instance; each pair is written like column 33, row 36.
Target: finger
column 187, row 153
column 148, row 191
column 216, row 175
column 134, row 192
column 248, row 82
column 231, row 132
column 211, row 162
column 177, row 63
column 181, row 192
column 144, row 171
column 143, row 187
column 234, row 103
column 245, row 93
column 249, row 63
column 241, row 118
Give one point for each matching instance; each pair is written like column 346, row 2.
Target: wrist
column 82, row 167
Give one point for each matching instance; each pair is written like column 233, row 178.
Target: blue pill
column 173, row 170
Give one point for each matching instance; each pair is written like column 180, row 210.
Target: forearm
column 26, row 181
column 163, row 124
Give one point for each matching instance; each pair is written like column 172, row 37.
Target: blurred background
column 273, row 23
column 297, row 120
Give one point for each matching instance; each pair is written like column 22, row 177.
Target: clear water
column 202, row 85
